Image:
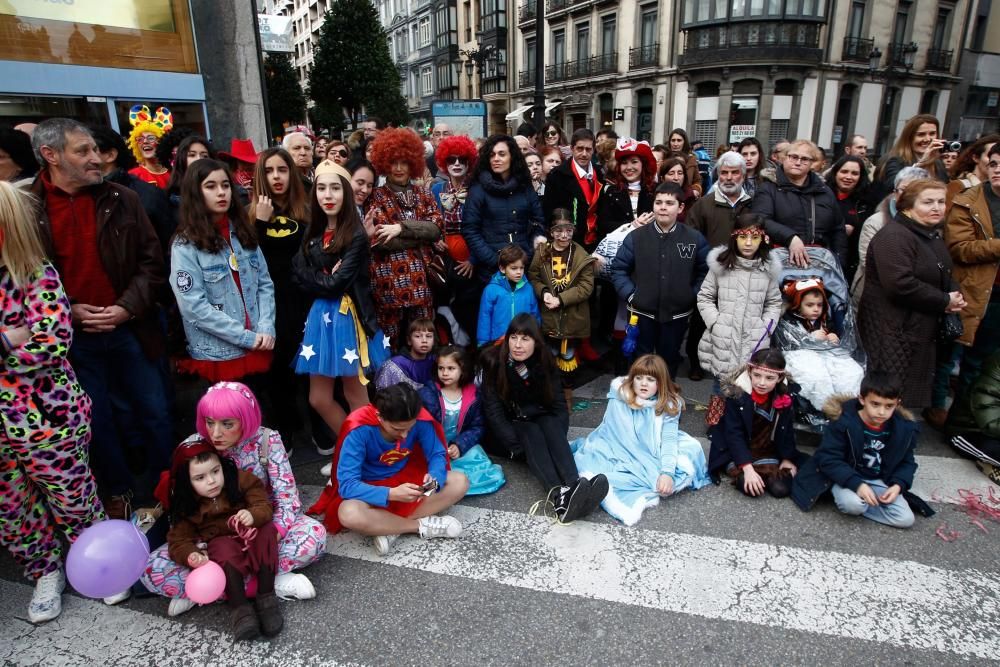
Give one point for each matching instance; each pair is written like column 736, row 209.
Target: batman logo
column 281, row 227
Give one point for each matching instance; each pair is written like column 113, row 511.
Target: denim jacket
column 211, row 306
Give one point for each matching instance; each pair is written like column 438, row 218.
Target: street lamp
column 889, row 74
column 478, row 58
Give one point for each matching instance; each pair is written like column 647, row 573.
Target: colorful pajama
column 45, row 479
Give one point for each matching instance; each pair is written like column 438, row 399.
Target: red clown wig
column 398, row 143
column 456, row 146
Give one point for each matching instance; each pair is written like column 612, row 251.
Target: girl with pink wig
column 228, row 417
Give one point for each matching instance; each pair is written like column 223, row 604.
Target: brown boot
column 936, row 417
column 244, row 622
column 271, row 621
column 119, row 507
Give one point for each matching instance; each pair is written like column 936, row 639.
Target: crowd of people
column 412, row 309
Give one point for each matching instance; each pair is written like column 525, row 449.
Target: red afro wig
column 456, row 146
column 398, row 143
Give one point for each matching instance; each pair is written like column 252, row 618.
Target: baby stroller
column 819, row 369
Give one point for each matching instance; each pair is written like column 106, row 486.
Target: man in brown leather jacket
column 99, row 238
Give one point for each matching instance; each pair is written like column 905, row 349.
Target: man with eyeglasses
column 799, row 207
column 440, row 131
column 973, row 236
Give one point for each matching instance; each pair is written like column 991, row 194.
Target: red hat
column 242, row 150
column 796, row 289
column 184, row 453
column 628, row 147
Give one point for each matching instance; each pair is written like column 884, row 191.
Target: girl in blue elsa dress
column 639, row 445
column 453, row 399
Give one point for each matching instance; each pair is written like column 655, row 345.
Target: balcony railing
column 643, row 56
column 857, row 50
column 526, row 79
column 897, row 55
column 575, row 69
column 752, row 41
column 939, row 60
column 556, row 5
column 527, row 12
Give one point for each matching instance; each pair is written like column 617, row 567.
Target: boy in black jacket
column 658, row 270
column 866, row 456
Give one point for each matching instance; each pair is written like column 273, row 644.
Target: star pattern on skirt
column 308, row 352
column 385, row 341
column 350, row 356
column 326, row 319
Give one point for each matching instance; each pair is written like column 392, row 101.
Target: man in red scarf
column 576, row 186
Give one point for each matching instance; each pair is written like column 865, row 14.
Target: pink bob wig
column 398, row 143
column 456, row 146
column 229, row 400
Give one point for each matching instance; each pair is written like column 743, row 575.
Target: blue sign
column 466, row 117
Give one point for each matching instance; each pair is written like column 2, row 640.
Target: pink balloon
column 107, row 558
column 205, row 584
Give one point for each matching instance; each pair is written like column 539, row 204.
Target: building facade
column 975, row 107
column 725, row 69
column 94, row 62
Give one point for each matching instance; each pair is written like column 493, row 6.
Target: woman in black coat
column 848, row 180
column 799, row 208
column 908, row 288
column 501, row 208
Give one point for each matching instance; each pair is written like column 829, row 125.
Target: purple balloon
column 107, row 558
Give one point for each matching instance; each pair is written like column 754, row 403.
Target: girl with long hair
column 639, row 445
column 848, row 180
column 220, row 279
column 919, row 145
column 679, row 144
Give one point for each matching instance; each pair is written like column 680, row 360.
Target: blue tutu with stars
column 332, row 342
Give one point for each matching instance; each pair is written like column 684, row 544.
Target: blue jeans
column 112, row 368
column 896, row 514
column 663, row 338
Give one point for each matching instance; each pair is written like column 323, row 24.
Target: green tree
column 285, row 98
column 352, row 68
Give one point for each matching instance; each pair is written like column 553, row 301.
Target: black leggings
column 547, row 450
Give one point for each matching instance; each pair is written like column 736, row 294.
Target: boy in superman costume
column 386, row 454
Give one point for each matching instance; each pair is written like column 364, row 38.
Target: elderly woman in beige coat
column 740, row 299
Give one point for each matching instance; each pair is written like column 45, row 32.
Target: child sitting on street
column 866, row 456
column 506, row 295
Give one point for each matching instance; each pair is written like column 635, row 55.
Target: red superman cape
column 329, row 501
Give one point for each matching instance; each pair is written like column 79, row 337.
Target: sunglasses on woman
column 454, row 159
column 551, row 133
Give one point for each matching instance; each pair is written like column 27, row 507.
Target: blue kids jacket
column 500, row 304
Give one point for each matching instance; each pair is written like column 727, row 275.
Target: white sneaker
column 179, row 606
column 439, row 526
column 383, row 543
column 46, row 601
column 120, row 597
column 321, row 451
column 293, row 586
column 326, row 470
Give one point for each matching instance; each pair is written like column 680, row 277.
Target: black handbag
column 950, row 328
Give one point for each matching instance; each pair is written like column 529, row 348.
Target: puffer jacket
column 789, row 212
column 741, row 307
column 497, row 215
column 975, row 250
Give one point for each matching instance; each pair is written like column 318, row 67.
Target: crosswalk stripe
column 939, row 478
column 89, row 632
column 898, row 602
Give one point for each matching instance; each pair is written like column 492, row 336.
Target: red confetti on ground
column 946, row 534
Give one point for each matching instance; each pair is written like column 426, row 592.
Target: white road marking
column 847, row 595
column 90, row 633
column 938, row 479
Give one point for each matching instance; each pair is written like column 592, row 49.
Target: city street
column 708, row 577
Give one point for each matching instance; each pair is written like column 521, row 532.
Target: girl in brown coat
column 223, row 514
column 908, row 288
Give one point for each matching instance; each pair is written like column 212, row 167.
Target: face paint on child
column 764, row 381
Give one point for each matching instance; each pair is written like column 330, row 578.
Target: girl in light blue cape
column 639, row 445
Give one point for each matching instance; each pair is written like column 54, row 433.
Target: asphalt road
column 708, row 577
